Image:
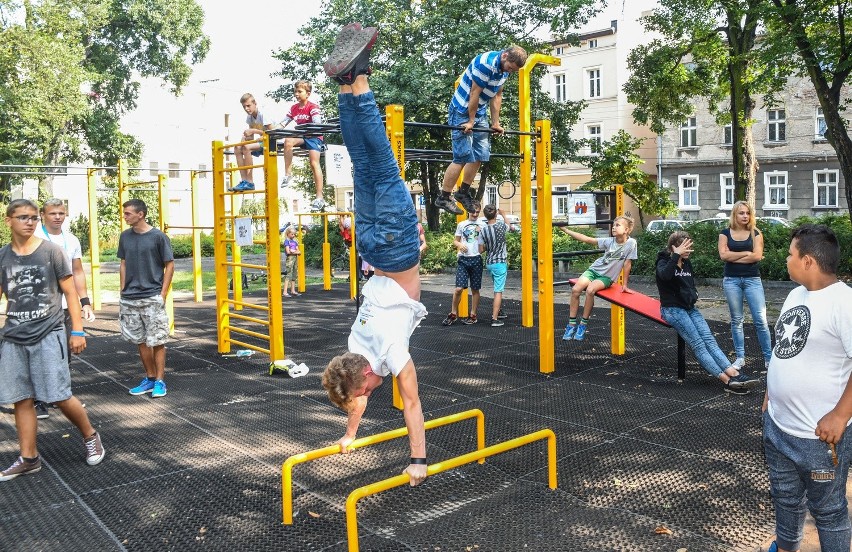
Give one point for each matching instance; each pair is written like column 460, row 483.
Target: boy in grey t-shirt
column 619, row 252
column 33, row 348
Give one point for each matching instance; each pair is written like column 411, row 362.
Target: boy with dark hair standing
column 469, row 267
column 493, row 240
column 808, row 402
column 33, row 345
column 147, row 267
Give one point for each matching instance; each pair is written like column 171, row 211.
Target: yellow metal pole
column 123, row 195
column 220, row 250
column 300, row 260
column 616, row 313
column 237, row 256
column 94, row 239
column 433, row 469
column 353, row 261
column 273, row 252
column 163, row 201
column 197, row 282
column 525, row 121
column 287, row 466
column 326, row 255
column 545, row 248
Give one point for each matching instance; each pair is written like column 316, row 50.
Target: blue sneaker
column 159, row 389
column 145, row 386
column 581, row 332
column 243, row 186
column 569, row 332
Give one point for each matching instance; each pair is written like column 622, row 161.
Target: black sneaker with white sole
column 42, row 412
column 465, row 200
column 736, row 390
column 742, row 381
column 447, row 204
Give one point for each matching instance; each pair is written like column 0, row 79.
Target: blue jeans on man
column 388, row 238
column 692, row 327
column 736, row 290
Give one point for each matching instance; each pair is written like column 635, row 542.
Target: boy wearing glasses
column 469, row 266
column 35, row 275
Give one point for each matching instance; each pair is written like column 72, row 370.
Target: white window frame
column 491, row 197
column 819, row 116
column 593, row 83
column 592, row 136
column 680, row 192
column 560, row 87
column 153, row 168
column 202, row 171
column 776, row 123
column 593, row 43
column 768, row 186
column 174, row 170
column 349, row 200
column 728, row 135
column 817, row 185
column 690, row 127
column 559, row 50
column 726, row 183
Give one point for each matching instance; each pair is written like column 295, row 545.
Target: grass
column 183, row 281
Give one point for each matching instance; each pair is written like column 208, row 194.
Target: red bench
column 645, row 306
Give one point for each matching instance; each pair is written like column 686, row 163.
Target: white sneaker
column 318, row 204
column 739, row 363
column 285, row 181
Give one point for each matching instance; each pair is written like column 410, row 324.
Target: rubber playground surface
column 644, row 462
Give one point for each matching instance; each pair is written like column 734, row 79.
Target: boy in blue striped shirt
column 481, row 86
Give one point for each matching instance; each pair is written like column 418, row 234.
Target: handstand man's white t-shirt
column 384, row 324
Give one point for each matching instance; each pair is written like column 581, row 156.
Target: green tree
column 815, row 37
column 706, row 50
column 618, row 163
column 421, row 51
column 69, row 69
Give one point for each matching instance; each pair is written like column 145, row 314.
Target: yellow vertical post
column 94, row 239
column 395, row 128
column 236, row 255
column 273, row 252
column 326, row 255
column 163, row 204
column 123, row 195
column 545, row 247
column 524, row 124
column 353, row 261
column 220, row 248
column 197, row 282
column 616, row 313
column 300, row 260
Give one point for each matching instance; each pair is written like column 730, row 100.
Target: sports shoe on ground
column 159, row 389
column 285, row 181
column 243, row 186
column 743, row 381
column 318, row 204
column 20, row 467
column 738, row 363
column 465, row 200
column 448, row 205
column 569, row 332
column 496, row 322
column 286, row 295
column 501, row 314
column 450, row 320
column 470, row 320
column 580, row 334
column 351, row 54
column 41, row 410
column 94, row 450
column 765, row 367
column 145, row 386
column 736, row 390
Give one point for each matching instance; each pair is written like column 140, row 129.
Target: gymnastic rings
column 507, row 189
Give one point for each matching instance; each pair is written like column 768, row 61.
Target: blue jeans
column 795, row 467
column 468, row 148
column 750, row 289
column 694, row 330
column 387, row 235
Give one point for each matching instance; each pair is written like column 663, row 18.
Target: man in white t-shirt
column 469, row 267
column 53, row 213
column 808, row 404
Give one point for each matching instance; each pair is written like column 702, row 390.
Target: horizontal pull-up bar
column 572, row 254
column 568, row 223
column 474, row 129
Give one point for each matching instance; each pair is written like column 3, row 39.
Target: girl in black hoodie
column 677, row 299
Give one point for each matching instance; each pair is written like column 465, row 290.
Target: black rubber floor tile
column 470, row 377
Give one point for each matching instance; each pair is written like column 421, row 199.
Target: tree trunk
column 744, row 157
column 484, row 171
column 429, row 183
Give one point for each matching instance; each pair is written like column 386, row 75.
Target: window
column 559, row 50
column 593, row 135
column 820, row 128
column 688, row 192
column 728, row 135
column 560, row 88
column 534, row 201
column 202, row 171
column 561, row 206
column 349, row 200
column 825, row 188
column 726, row 185
column 593, row 77
column 174, row 170
column 689, row 133
column 775, row 184
column 153, row 168
column 593, row 43
column 490, row 196
column 777, row 125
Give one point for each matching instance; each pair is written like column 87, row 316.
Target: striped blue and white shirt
column 486, row 72
column 493, row 237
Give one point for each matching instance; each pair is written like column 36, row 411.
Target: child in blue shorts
column 493, row 240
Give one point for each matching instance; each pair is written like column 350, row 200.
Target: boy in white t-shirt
column 469, row 267
column 378, row 342
column 808, row 404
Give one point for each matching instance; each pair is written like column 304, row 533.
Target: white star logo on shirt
column 789, row 331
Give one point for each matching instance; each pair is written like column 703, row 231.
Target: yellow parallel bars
column 524, row 125
column 545, row 247
column 433, row 469
column 287, row 466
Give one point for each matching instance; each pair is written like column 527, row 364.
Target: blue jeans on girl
column 692, row 327
column 750, row 289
